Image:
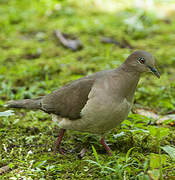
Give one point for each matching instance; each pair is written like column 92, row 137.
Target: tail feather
column 25, row 103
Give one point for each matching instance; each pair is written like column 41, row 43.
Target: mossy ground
column 33, row 63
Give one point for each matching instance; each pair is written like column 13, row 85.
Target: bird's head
column 142, row 61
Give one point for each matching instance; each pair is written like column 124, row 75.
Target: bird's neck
column 129, row 80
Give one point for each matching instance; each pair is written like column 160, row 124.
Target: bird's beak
column 154, row 71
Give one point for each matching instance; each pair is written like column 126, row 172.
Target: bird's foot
column 60, row 150
column 109, row 153
column 58, row 143
column 107, row 148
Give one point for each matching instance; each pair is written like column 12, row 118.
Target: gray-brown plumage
column 95, row 103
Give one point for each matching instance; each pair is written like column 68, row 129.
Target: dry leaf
column 159, row 119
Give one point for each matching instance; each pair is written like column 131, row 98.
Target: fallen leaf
column 4, row 169
column 147, row 113
column 159, row 119
column 82, row 153
column 170, row 151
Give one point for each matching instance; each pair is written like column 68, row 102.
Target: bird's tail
column 25, row 103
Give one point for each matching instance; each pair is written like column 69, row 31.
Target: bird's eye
column 141, row 60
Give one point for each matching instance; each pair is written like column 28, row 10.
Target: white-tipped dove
column 95, row 103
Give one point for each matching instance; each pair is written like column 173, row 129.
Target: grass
column 33, row 63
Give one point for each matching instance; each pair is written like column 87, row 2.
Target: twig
column 73, row 44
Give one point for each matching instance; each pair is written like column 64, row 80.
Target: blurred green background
column 34, row 63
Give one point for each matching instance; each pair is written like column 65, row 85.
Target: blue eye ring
column 141, row 60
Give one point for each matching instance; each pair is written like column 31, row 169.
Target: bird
column 95, row 103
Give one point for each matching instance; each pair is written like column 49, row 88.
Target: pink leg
column 107, row 148
column 58, row 142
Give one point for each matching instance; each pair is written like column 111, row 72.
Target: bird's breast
column 103, row 115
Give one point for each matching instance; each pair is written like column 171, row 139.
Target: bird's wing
column 69, row 100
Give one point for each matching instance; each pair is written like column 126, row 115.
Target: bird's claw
column 109, row 153
column 60, row 150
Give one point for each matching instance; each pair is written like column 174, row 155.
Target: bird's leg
column 58, row 142
column 107, row 148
